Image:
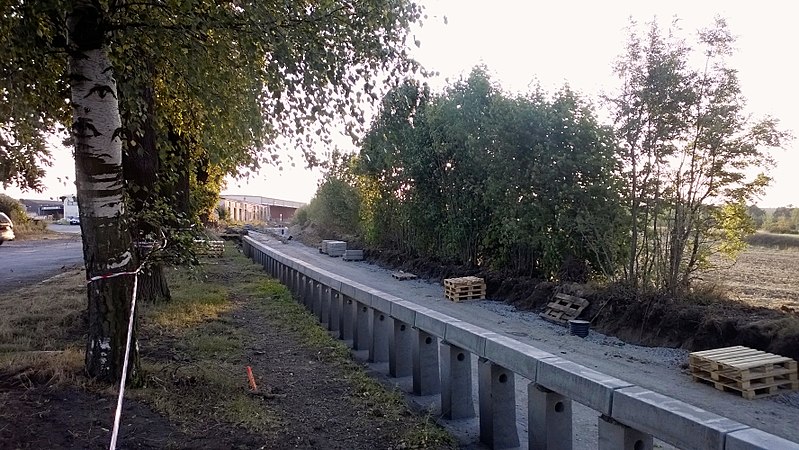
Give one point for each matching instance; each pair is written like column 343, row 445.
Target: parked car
column 74, row 220
column 6, row 228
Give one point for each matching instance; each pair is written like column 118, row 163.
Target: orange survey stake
column 250, row 377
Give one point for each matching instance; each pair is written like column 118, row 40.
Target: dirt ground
column 195, row 351
column 764, row 277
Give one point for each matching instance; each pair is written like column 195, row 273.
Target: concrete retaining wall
column 629, row 416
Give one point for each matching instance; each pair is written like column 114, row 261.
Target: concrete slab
column 468, row 337
column 753, row 439
column 362, row 293
column 404, row 311
column 514, row 355
column 432, row 321
column 673, row 421
column 380, row 302
column 581, row 384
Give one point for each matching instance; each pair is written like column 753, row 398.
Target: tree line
column 161, row 100
column 536, row 184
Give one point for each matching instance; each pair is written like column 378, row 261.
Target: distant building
column 254, row 208
column 43, row 209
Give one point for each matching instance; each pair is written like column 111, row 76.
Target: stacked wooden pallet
column 206, row 247
column 752, row 373
column 563, row 308
column 464, row 288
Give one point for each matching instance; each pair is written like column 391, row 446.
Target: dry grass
column 192, row 350
column 35, row 319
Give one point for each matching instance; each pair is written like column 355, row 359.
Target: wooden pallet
column 752, row 373
column 402, row 276
column 203, row 247
column 464, row 288
column 564, row 308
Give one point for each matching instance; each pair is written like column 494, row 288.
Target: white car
column 6, row 228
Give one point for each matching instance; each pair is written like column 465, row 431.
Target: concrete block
column 380, row 303
column 468, row 337
column 381, row 329
column 426, row 377
column 753, row 439
column 432, row 322
column 404, row 311
column 549, row 419
column 456, row 383
column 400, row 352
column 497, row 407
column 516, row 356
column 362, row 333
column 581, row 384
column 348, row 289
column 670, row 420
column 324, row 296
column 346, row 318
column 615, row 436
column 363, row 294
column 334, row 319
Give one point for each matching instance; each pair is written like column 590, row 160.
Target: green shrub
column 14, row 209
column 781, row 241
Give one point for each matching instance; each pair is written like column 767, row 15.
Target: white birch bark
column 100, row 186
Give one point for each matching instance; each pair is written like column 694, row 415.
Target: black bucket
column 579, row 327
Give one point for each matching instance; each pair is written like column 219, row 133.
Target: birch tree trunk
column 98, row 167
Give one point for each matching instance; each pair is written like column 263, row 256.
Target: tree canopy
column 189, row 91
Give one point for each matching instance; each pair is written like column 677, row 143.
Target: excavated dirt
column 753, row 303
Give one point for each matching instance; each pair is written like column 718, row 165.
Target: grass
column 35, row 319
column 192, row 349
column 291, row 317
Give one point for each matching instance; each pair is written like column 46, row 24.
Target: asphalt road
column 26, row 262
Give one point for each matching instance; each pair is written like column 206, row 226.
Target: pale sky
column 574, row 42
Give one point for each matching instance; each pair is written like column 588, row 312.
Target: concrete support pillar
column 316, row 299
column 497, row 405
column 616, row 436
column 346, row 318
column 378, row 348
column 400, row 355
column 295, row 282
column 456, row 383
column 426, row 378
column 324, row 311
column 335, row 310
column 362, row 336
column 302, row 282
column 549, row 416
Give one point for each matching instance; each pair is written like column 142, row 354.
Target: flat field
column 763, row 276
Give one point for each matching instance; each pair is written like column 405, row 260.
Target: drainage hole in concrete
column 428, row 340
column 402, row 327
column 461, row 356
column 503, row 378
column 559, row 407
column 382, row 317
column 639, row 445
